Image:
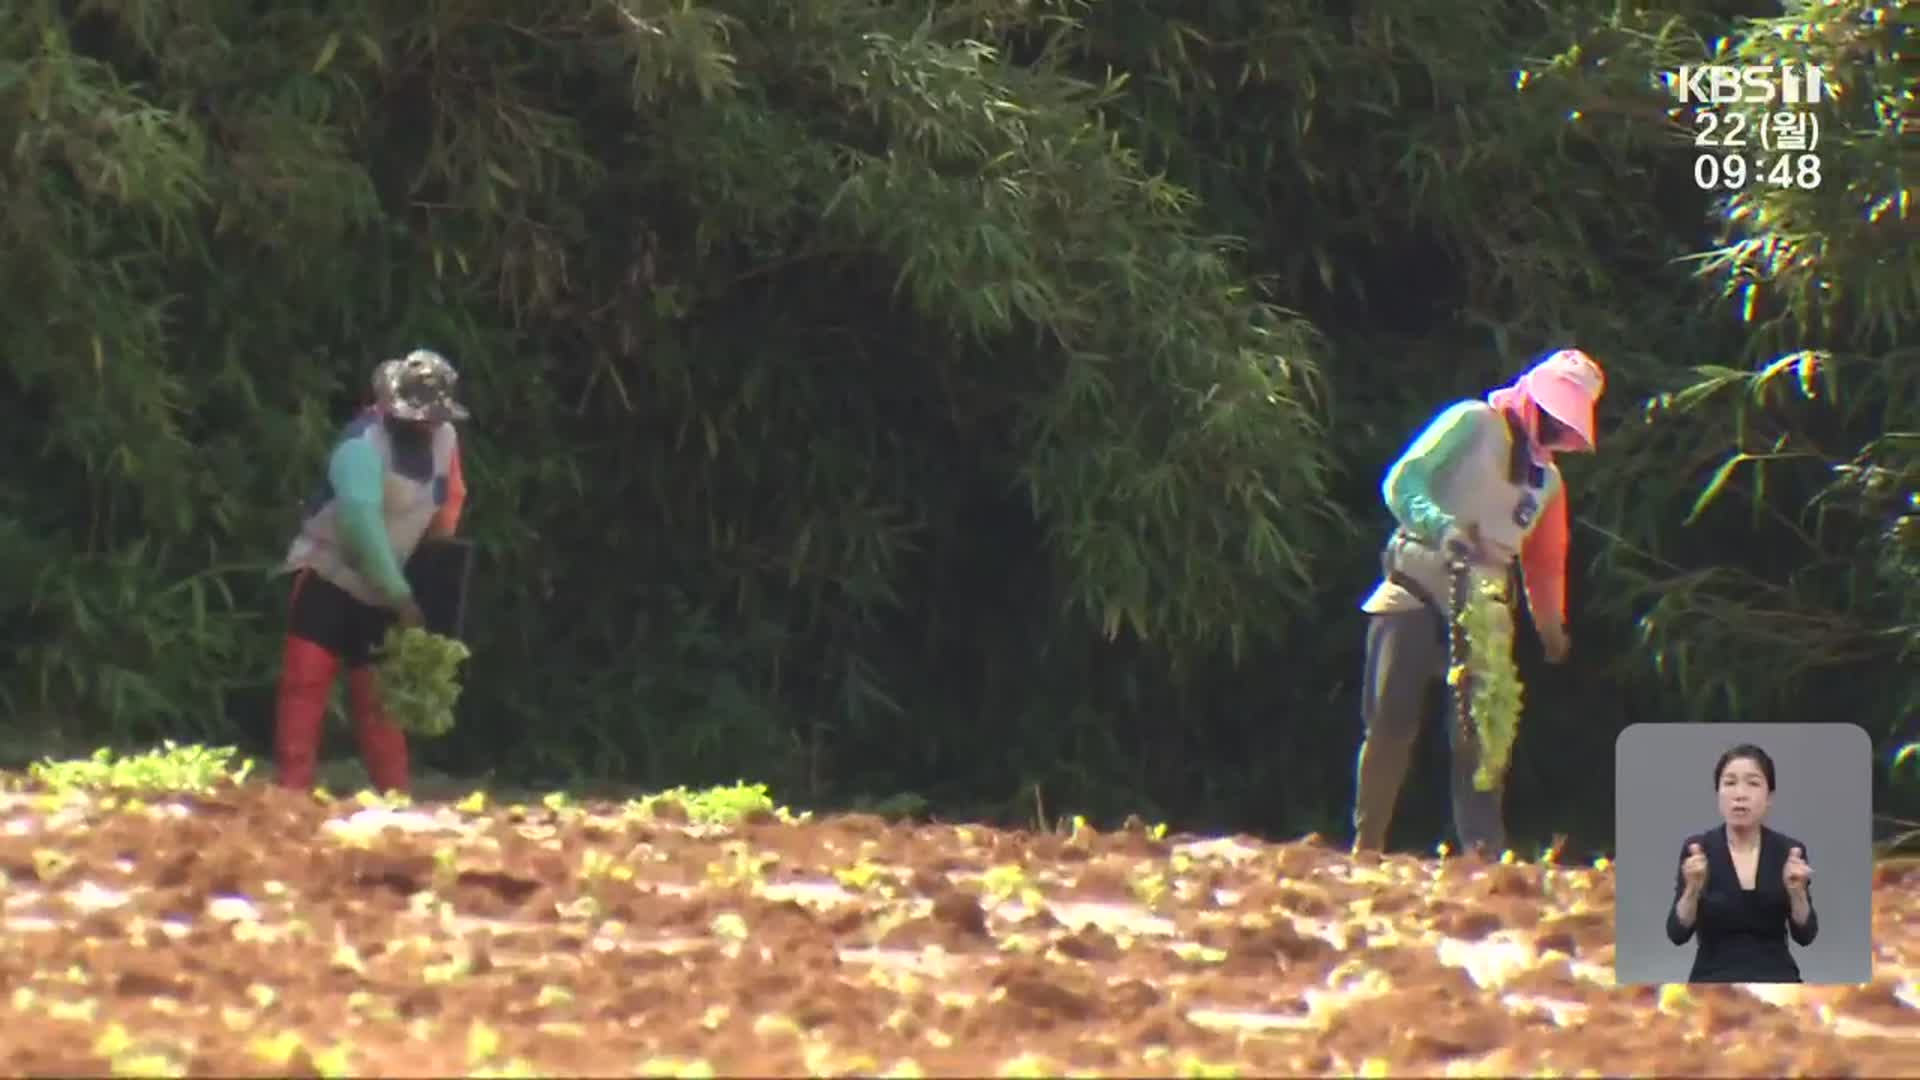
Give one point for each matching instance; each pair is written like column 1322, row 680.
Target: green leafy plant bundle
column 418, row 675
column 197, row 769
column 1492, row 679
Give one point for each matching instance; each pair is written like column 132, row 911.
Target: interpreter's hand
column 1693, row 869
column 409, row 613
column 1557, row 642
column 1797, row 875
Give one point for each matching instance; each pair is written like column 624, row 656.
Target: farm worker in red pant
column 1478, row 486
column 392, row 479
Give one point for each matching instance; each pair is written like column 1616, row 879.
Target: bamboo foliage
column 858, row 385
column 667, row 244
column 1815, row 410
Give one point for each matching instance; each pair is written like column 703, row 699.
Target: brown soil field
column 248, row 930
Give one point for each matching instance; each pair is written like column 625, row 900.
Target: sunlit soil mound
column 243, row 930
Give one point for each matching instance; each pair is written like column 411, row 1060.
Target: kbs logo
column 1730, row 84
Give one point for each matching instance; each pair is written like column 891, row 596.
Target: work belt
column 1394, row 575
column 1460, row 583
column 1420, row 592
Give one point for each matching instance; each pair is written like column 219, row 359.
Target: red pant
column 329, row 629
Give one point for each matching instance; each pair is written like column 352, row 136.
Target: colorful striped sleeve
column 359, row 483
column 1543, row 562
column 1409, row 484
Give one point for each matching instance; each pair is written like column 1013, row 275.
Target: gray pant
column 1406, row 656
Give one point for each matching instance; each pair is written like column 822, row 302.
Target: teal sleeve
column 359, row 482
column 1409, row 484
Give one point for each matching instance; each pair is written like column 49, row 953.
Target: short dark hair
column 1751, row 753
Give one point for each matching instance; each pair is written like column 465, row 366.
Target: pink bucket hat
column 1566, row 386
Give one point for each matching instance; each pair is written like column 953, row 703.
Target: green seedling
column 1675, row 998
column 449, row 970
column 728, row 925
column 425, row 905
column 347, row 958
column 900, row 982
column 280, row 1050
column 146, row 1064
column 1002, row 882
column 112, row 1042
column 483, row 1043
column 335, row 1061
column 598, row 866
column 1028, row 1067
column 862, row 876
column 1081, row 834
column 771, row 1024
column 1149, row 888
column 357, row 839
column 1196, row 1069
column 741, row 867
column 1018, row 943
column 379, row 800
column 820, row 1060
column 446, row 867
column 49, row 864
column 715, row 805
column 891, row 919
column 373, row 1008
column 1196, row 953
column 82, row 1011
column 172, row 768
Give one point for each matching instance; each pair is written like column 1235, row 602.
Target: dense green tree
column 978, row 400
column 1446, row 190
column 778, row 321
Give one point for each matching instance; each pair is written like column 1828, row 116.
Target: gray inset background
column 1663, row 793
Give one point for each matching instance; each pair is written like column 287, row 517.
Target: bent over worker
column 393, row 478
column 1479, row 486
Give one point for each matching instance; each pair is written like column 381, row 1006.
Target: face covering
column 1566, row 386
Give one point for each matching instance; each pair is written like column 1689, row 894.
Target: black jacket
column 1743, row 935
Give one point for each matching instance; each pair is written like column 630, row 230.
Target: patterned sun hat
column 419, row 386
